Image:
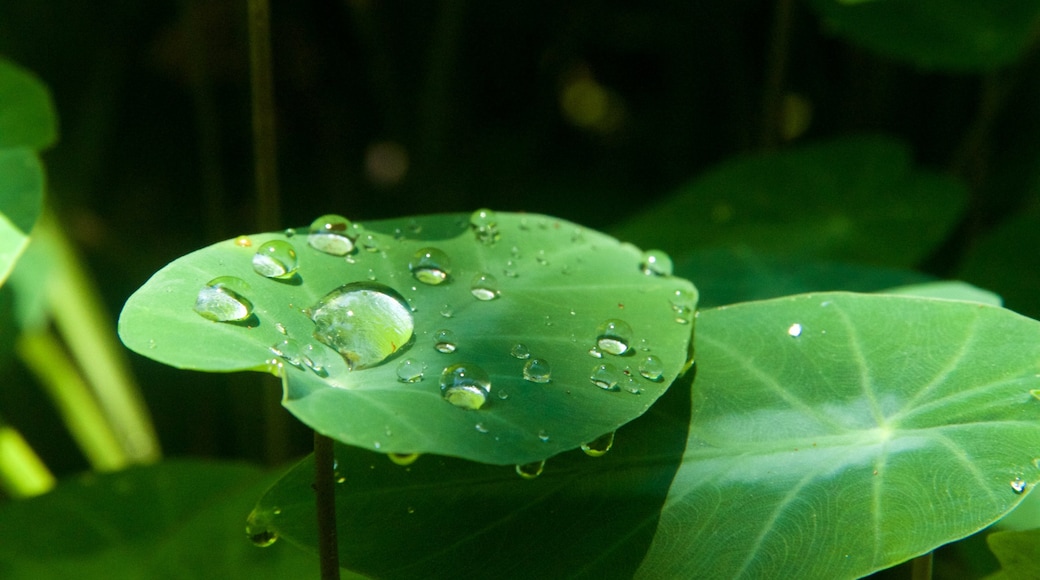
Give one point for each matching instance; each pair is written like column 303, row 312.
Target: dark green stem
column 267, row 209
column 325, row 492
column 921, row 567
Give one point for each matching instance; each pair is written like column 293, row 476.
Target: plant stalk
column 22, row 472
column 325, row 491
column 921, row 567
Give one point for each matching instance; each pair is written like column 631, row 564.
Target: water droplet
column 365, row 322
column 1036, row 462
column 1018, row 485
column 281, row 328
column 595, row 352
column 243, row 242
column 262, row 538
column 403, row 459
column 330, row 234
column 290, row 350
column 275, row 259
column 599, row 446
column 430, row 266
column 515, row 252
column 484, row 287
column 510, row 269
column 314, row 358
column 370, row 243
column 606, row 376
column 656, row 263
column 482, row 428
column 651, row 368
column 541, row 258
column 484, row 224
column 444, row 341
column 537, row 370
column 289, row 232
column 543, row 436
column 258, row 529
column 795, row 330
column 447, row 311
column 465, row 385
column 614, row 336
column 223, row 300
column 530, row 470
column 410, row 371
column 520, row 351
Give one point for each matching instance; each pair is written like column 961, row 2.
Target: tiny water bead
column 537, row 370
column 1018, row 485
column 465, row 385
column 656, row 263
column 530, row 470
column 795, row 330
column 223, row 299
column 262, row 538
column 543, row 436
column 607, row 377
column 329, row 234
column 520, row 351
column 484, row 224
column 403, row 459
column 410, row 371
column 314, row 358
column 595, row 352
column 614, row 336
column 651, row 368
column 275, row 259
column 365, row 322
column 444, row 341
column 599, row 446
column 430, row 266
column 290, row 350
column 484, row 287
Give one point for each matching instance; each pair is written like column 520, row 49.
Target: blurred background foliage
column 595, row 111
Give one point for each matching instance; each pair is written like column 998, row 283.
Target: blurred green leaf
column 557, row 284
column 834, row 435
column 1018, row 553
column 1004, row 261
column 27, row 117
column 853, row 199
column 178, row 519
column 948, row 290
column 953, row 35
column 21, row 200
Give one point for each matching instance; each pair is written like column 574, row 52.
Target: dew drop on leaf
column 258, row 530
column 1018, row 485
column 403, row 459
column 484, row 224
column 520, row 351
column 656, row 263
column 614, row 336
column 223, row 300
column 430, row 266
column 530, row 470
column 595, row 352
column 599, row 446
column 410, row 370
column 444, row 341
column 606, row 376
column 651, row 368
column 314, row 359
column 537, row 370
column 465, row 385
column 543, row 436
column 275, row 259
column 795, row 330
column 330, row 234
column 365, row 322
column 484, row 287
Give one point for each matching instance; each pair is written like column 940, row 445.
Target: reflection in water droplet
column 599, row 446
column 444, row 341
column 465, row 385
column 651, row 368
column 290, row 350
column 330, row 234
column 537, row 370
column 430, row 266
column 530, row 470
column 595, row 352
column 223, row 300
column 606, row 376
column 1018, row 485
column 484, row 224
column 614, row 336
column 365, row 322
column 484, row 287
column 520, row 351
column 410, row 370
column 263, row 538
column 795, row 330
column 403, row 459
column 275, row 259
column 656, row 263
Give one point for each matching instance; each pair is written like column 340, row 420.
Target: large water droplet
column 537, row 370
column 330, row 234
column 530, row 470
column 258, row 529
column 275, row 259
column 599, row 446
column 444, row 341
column 520, row 351
column 430, row 266
column 651, row 368
column 614, row 336
column 656, row 263
column 484, row 224
column 484, row 287
column 606, row 376
column 410, row 371
column 223, row 300
column 1018, row 485
column 465, row 385
column 365, row 322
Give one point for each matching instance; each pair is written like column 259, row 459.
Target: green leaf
column 953, row 35
column 851, row 199
column 27, row 117
column 998, row 261
column 440, row 517
column 557, row 284
column 21, row 200
column 1018, row 553
column 178, row 519
column 837, row 434
column 947, row 290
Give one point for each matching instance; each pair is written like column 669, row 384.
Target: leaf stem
column 325, row 490
column 921, row 567
column 22, row 472
column 262, row 83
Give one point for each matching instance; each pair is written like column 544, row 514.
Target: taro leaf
column 953, row 35
column 27, row 117
column 837, row 434
column 855, row 199
column 557, row 283
column 998, row 260
column 1018, row 553
column 440, row 517
column 947, row 290
column 178, row 519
